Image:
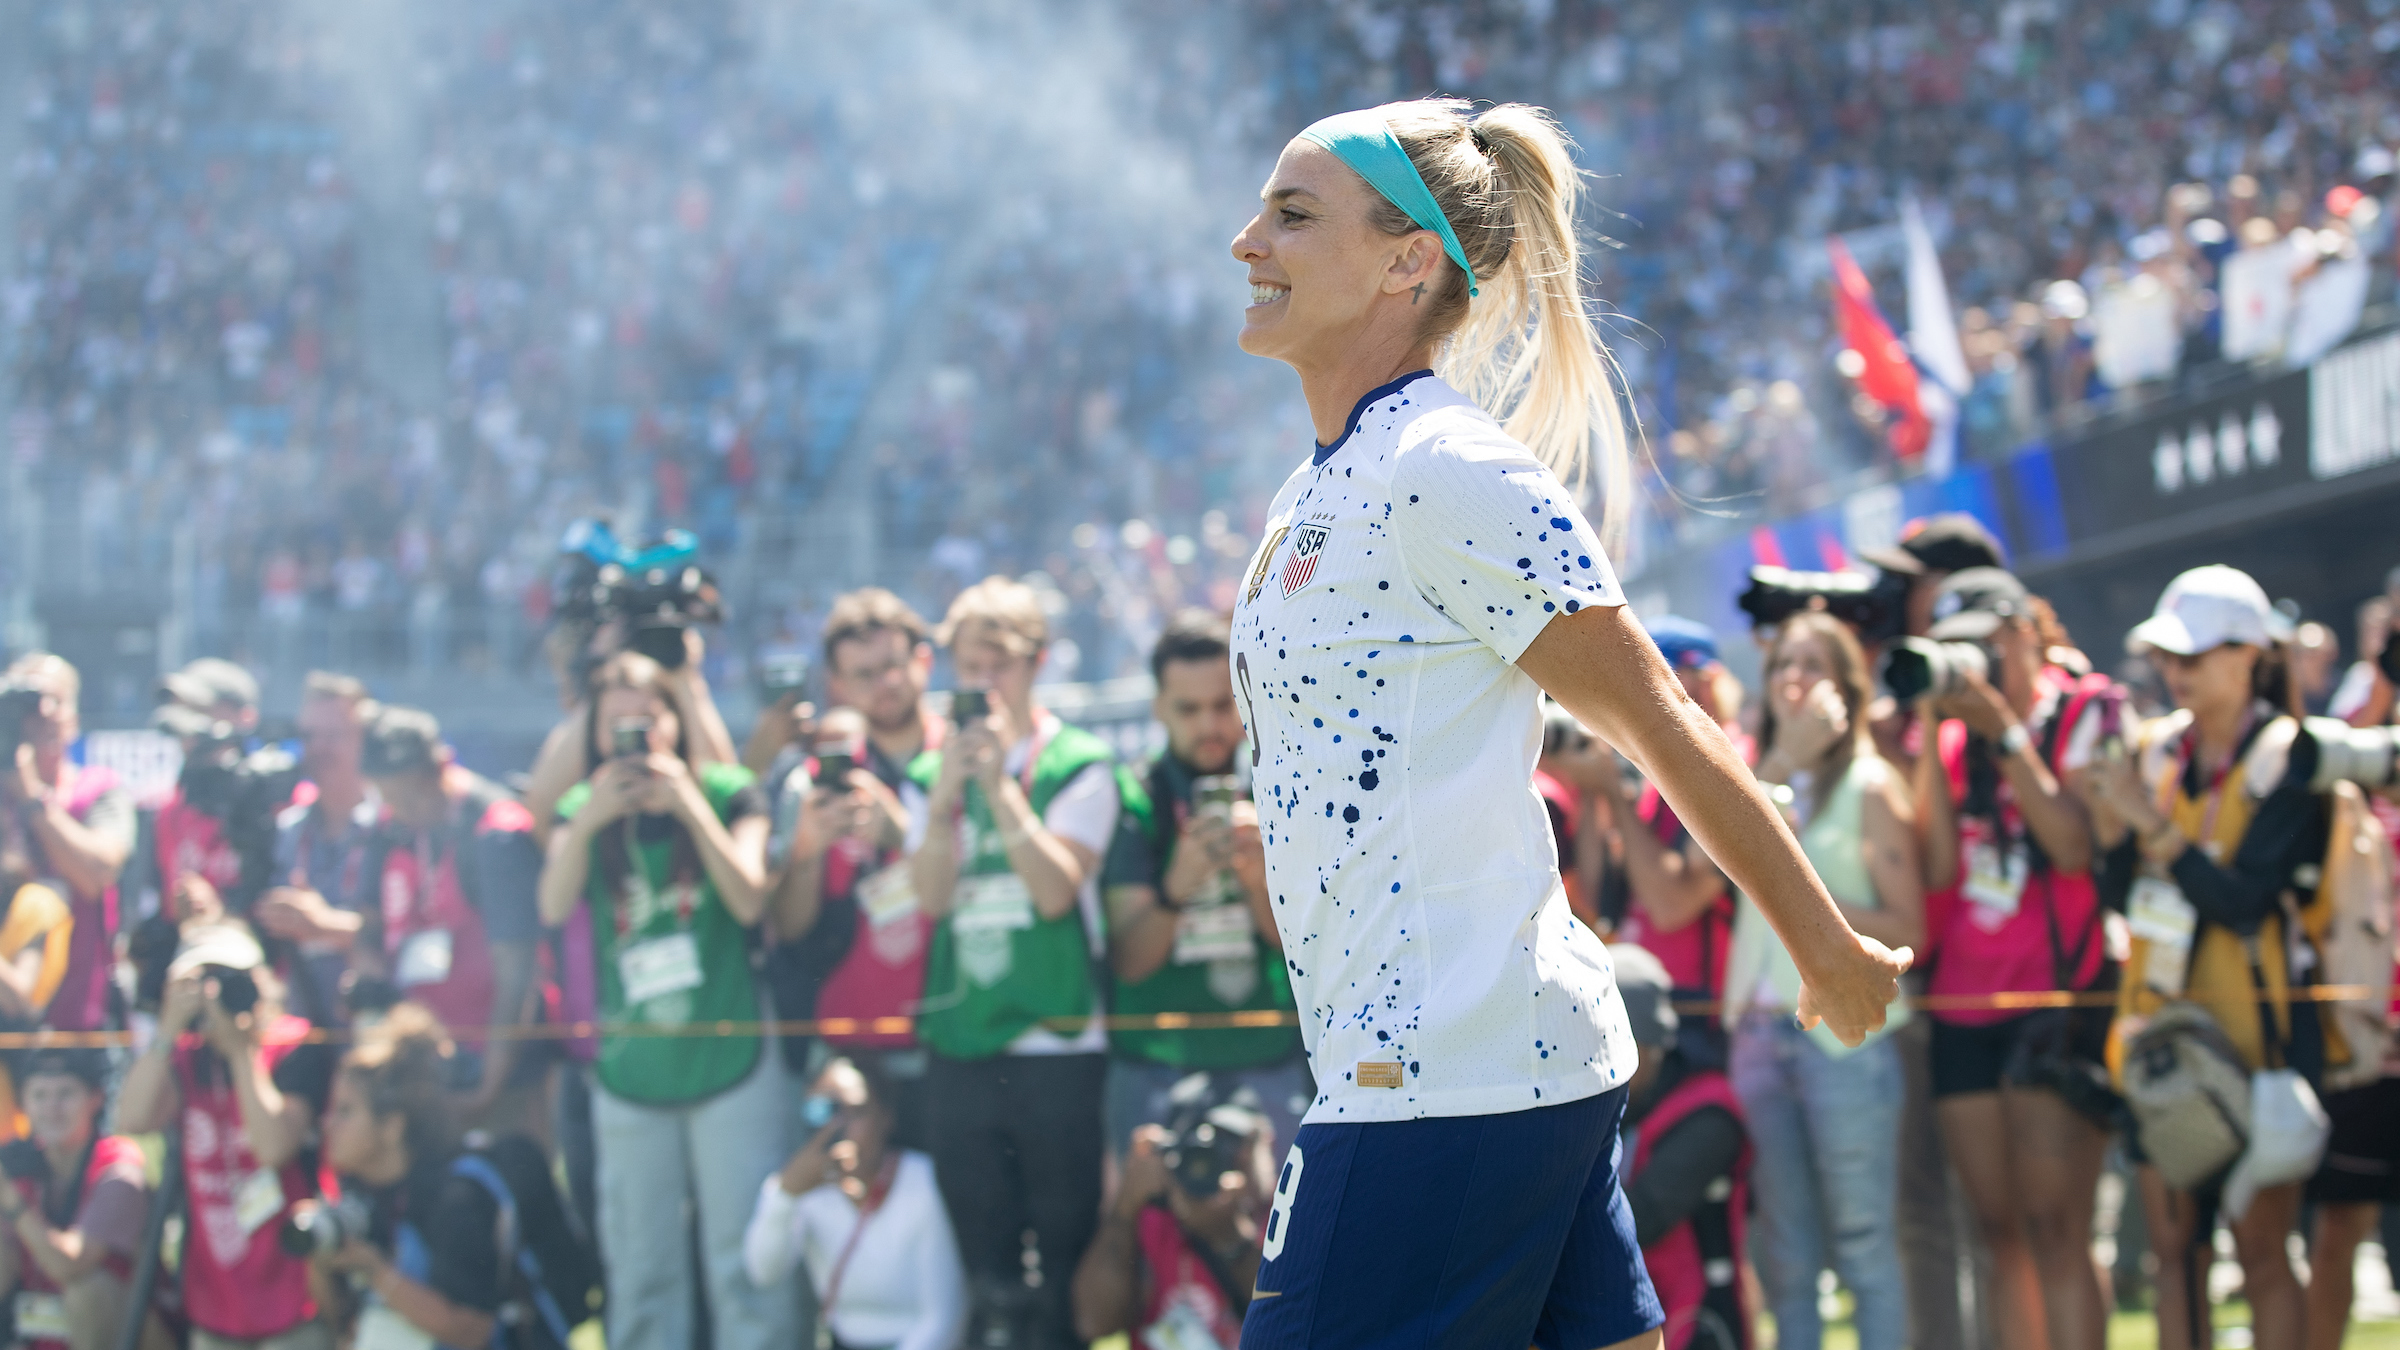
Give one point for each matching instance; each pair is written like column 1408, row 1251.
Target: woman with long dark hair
column 671, row 858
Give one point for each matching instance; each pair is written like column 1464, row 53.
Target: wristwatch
column 2016, row 740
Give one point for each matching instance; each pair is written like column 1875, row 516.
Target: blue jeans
column 1826, row 1135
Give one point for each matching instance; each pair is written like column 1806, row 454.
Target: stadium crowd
column 669, row 283
column 949, row 1028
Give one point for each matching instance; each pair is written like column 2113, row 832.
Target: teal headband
column 1362, row 141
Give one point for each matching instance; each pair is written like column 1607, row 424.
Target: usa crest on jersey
column 1308, row 545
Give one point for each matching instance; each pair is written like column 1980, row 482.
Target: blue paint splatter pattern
column 1414, row 879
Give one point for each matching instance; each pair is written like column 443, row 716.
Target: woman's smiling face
column 1317, row 265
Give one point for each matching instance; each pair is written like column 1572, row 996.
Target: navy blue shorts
column 1460, row 1232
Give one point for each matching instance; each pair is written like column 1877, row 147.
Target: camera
column 629, row 738
column 320, row 1230
column 1916, row 668
column 17, row 703
column 2367, row 756
column 1214, row 795
column 835, row 759
column 969, row 705
column 1211, row 1133
column 1876, row 605
column 658, row 603
column 237, row 990
column 781, row 677
column 1207, row 1149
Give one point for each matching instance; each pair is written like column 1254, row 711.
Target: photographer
column 1177, row 1254
column 1687, row 1173
column 65, row 823
column 844, row 883
column 2012, row 909
column 211, row 706
column 1928, row 552
column 231, row 1075
column 456, row 871
column 75, row 1205
column 2223, row 842
column 669, row 857
column 322, row 846
column 37, row 935
column 867, row 1217
column 438, row 1247
column 1019, row 808
column 1190, row 926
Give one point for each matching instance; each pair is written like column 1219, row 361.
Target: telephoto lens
column 2367, row 756
column 1916, row 668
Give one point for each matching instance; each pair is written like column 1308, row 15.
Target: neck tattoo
column 1420, row 293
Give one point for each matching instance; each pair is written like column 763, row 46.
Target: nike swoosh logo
column 1256, row 1294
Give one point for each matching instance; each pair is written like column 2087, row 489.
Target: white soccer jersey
column 1415, row 880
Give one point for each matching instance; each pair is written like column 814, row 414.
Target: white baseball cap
column 2204, row 609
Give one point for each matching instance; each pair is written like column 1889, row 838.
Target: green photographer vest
column 1202, row 975
column 669, row 955
column 997, row 967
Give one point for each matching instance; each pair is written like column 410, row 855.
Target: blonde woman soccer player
column 1424, row 578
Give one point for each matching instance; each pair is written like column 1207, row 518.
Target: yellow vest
column 2218, row 975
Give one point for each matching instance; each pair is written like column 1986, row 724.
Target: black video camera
column 657, row 604
column 1875, row 604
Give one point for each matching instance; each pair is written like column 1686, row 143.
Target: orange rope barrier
column 2027, row 1001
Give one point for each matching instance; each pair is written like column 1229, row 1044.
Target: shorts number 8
column 1279, row 1219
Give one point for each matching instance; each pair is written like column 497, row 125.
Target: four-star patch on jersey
column 1308, row 545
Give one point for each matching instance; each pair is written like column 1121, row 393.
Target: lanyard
column 637, row 874
column 2216, row 784
column 876, row 1195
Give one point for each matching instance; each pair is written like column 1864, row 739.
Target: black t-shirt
column 459, row 1223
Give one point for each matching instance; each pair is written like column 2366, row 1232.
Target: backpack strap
column 515, row 1254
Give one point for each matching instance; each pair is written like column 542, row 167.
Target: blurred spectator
column 845, row 882
column 669, row 854
column 456, row 873
column 235, row 1078
column 1176, row 1259
column 1191, row 928
column 866, row 1216
column 323, row 893
column 1688, row 1180
column 458, row 1248
column 1019, row 810
column 69, row 826
column 76, row 1202
column 1826, row 1117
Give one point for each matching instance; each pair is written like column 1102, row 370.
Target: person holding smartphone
column 1190, row 925
column 1019, row 809
column 668, row 855
column 867, row 1218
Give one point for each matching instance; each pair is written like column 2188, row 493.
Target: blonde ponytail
column 1525, row 349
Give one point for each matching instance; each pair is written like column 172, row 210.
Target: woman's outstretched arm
column 1603, row 669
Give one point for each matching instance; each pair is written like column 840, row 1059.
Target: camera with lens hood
column 2367, row 756
column 1919, row 668
column 1876, row 604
